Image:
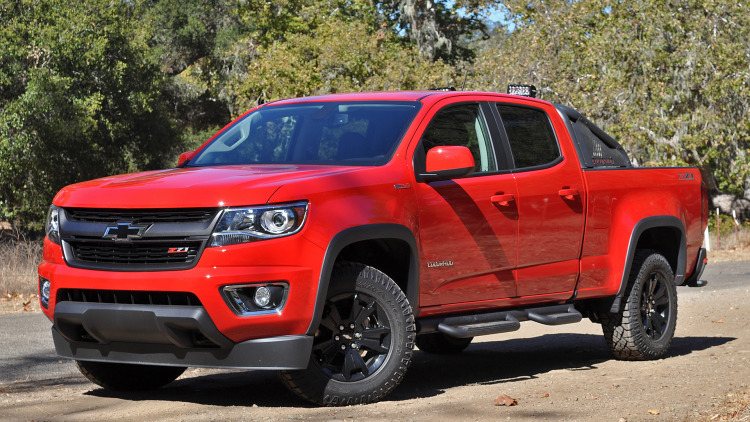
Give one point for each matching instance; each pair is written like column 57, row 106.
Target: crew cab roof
column 422, row 96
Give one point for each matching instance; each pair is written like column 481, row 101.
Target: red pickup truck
column 325, row 237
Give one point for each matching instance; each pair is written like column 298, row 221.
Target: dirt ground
column 554, row 373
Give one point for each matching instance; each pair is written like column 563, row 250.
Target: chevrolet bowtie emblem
column 125, row 231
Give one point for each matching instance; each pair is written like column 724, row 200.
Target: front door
column 468, row 227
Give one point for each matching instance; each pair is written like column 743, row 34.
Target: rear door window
column 530, row 134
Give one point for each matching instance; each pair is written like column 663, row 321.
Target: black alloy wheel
column 644, row 327
column 363, row 344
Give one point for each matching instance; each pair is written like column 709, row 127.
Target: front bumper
column 239, row 265
column 166, row 335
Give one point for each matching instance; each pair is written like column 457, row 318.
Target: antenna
column 466, row 73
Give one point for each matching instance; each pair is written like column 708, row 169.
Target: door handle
column 503, row 199
column 568, row 193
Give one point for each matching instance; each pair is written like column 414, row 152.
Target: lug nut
column 341, row 327
column 351, row 326
column 343, row 347
column 337, row 338
column 355, row 346
column 357, row 335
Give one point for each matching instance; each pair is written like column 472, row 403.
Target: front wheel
column 645, row 325
column 364, row 343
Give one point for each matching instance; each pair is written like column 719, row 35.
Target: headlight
column 241, row 225
column 52, row 227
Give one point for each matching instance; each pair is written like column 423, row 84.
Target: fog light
column 256, row 299
column 44, row 289
column 262, row 297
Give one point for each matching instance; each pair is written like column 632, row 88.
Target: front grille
column 143, row 252
column 128, row 297
column 190, row 215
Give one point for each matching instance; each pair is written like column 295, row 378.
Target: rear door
column 468, row 242
column 551, row 198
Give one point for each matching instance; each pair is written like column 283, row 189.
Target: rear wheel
column 125, row 376
column 364, row 343
column 440, row 343
column 645, row 325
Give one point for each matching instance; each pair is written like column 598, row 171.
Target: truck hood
column 190, row 187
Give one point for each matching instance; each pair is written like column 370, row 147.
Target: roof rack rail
column 443, row 88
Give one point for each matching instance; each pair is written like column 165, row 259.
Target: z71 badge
column 685, row 176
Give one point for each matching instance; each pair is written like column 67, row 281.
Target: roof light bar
column 522, row 90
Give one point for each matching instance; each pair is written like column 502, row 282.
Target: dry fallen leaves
column 505, row 400
column 27, row 306
column 719, row 321
column 545, row 395
column 653, row 411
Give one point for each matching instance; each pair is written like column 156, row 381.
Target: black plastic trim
column 694, row 279
column 457, row 173
column 284, row 352
column 463, row 326
column 635, row 235
column 358, row 234
column 169, row 234
column 105, row 323
column 568, row 115
column 551, row 164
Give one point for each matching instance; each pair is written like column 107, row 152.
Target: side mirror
column 448, row 162
column 184, row 157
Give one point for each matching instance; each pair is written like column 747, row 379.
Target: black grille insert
column 127, row 297
column 143, row 252
column 191, row 215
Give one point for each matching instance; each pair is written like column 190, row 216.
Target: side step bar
column 499, row 322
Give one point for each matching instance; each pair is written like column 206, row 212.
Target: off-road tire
column 364, row 363
column 128, row 377
column 645, row 325
column 441, row 344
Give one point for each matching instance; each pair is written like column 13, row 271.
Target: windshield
column 330, row 133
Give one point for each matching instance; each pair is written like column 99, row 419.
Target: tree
column 306, row 47
column 79, row 99
column 668, row 79
column 439, row 29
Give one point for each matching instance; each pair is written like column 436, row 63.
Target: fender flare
column 357, row 234
column 635, row 235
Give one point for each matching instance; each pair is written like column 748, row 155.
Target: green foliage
column 97, row 87
column 668, row 79
column 79, row 99
column 726, row 224
column 440, row 29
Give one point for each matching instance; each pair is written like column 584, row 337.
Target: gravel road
column 555, row 373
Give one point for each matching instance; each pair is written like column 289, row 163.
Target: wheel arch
column 664, row 234
column 391, row 248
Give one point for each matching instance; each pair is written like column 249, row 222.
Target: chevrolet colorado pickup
column 325, row 237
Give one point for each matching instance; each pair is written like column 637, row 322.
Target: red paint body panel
column 619, row 199
column 506, row 239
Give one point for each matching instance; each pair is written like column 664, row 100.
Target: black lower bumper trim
column 694, row 280
column 284, row 352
